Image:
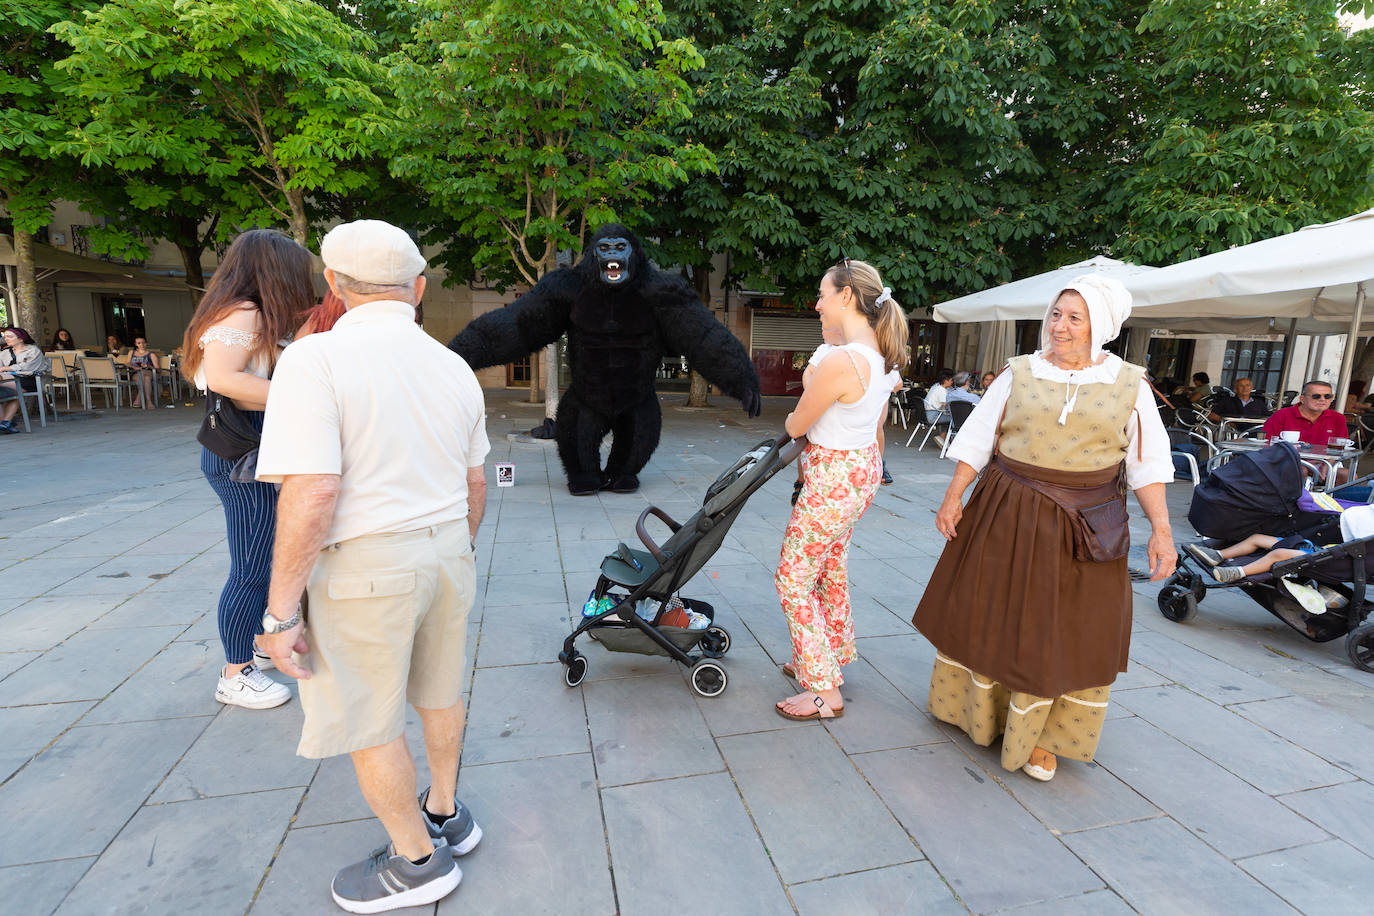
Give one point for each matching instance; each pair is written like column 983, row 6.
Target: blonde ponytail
column 890, row 326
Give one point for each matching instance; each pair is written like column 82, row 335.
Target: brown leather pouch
column 1097, row 515
column 1102, row 532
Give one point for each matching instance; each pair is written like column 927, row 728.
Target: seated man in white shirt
column 935, row 401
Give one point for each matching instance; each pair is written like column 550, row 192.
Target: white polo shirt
column 396, row 414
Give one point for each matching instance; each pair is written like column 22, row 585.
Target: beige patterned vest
column 1092, row 438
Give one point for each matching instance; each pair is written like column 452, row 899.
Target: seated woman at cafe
column 143, row 366
column 1354, row 401
column 113, row 347
column 22, row 358
column 62, row 340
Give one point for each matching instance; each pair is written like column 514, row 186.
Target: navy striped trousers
column 250, row 514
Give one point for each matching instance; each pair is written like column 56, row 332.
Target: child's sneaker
column 1228, row 573
column 1208, row 555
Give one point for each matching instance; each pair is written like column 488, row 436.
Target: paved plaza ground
column 1234, row 775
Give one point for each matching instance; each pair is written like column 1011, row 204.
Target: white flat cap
column 372, row 251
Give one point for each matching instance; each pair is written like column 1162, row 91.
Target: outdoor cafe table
column 1331, row 458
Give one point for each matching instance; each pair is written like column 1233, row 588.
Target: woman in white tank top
column 838, row 413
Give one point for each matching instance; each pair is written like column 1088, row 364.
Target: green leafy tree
column 31, row 102
column 1253, row 128
column 265, row 100
column 946, row 142
column 528, row 125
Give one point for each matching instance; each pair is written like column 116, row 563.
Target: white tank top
column 855, row 426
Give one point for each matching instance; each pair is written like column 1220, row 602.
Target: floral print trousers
column 811, row 580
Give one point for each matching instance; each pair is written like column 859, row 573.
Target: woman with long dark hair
column 257, row 297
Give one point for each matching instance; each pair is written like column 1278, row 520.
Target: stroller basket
column 656, row 573
column 632, row 639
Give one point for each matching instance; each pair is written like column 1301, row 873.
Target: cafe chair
column 98, row 374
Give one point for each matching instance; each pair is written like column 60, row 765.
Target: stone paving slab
column 1222, row 809
column 1343, row 811
column 1328, row 878
column 913, row 888
column 77, row 798
column 806, row 796
column 1261, row 758
column 154, row 862
column 688, row 846
column 983, row 843
column 29, row 729
column 549, row 855
column 647, row 728
column 87, row 666
column 1213, row 770
column 40, row 888
column 1160, row 868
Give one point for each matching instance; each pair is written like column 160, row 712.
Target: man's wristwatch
column 271, row 625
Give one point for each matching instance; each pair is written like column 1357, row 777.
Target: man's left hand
column 279, row 647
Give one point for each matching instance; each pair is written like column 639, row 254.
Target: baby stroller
column 1263, row 492
column 633, row 579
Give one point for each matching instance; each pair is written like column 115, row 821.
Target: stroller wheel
column 1359, row 645
column 576, row 670
column 708, row 678
column 1177, row 603
column 715, row 641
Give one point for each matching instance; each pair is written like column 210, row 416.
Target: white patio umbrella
column 1319, row 273
column 1026, row 299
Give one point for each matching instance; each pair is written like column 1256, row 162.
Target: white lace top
column 233, row 337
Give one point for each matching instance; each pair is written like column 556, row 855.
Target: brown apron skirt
column 1008, row 600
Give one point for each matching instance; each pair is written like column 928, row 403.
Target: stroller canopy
column 1256, row 492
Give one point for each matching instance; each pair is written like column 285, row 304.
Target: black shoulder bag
column 225, row 430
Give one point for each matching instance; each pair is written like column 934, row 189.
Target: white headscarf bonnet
column 1109, row 304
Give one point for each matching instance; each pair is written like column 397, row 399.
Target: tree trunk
column 698, row 388
column 26, row 291
column 551, row 381
column 300, row 227
column 536, row 389
column 195, row 273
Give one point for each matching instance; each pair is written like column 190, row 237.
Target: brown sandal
column 835, row 712
column 789, row 671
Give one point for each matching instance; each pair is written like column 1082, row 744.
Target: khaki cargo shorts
column 387, row 625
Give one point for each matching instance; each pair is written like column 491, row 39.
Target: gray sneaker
column 1206, row 555
column 460, row 831
column 1228, row 573
column 385, row 881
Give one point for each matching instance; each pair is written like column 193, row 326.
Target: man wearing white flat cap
column 382, row 490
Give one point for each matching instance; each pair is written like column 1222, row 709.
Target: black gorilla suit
column 621, row 317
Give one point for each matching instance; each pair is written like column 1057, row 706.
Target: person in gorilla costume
column 621, row 317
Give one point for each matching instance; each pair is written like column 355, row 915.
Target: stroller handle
column 644, row 532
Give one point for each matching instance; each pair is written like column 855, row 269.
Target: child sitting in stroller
column 1279, row 549
column 1356, row 522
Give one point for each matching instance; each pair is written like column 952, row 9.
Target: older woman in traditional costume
column 1030, row 602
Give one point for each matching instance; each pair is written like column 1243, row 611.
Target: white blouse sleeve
column 1148, row 458
column 973, row 443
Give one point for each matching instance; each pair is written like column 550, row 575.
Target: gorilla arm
column 535, row 320
column 689, row 328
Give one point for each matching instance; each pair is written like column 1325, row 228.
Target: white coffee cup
column 1289, row 435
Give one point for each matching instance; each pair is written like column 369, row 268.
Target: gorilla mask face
column 613, row 260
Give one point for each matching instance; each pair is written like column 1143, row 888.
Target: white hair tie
column 884, row 296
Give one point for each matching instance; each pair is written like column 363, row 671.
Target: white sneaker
column 251, row 689
column 260, row 661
